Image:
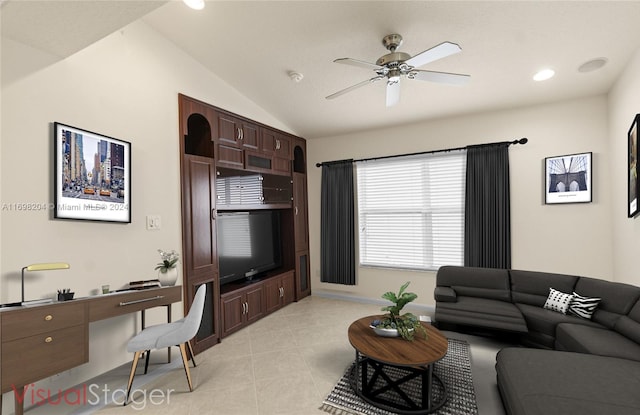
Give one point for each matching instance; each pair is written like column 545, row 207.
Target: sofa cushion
column 446, row 294
column 629, row 325
column 545, row 321
column 617, row 298
column 543, row 382
column 475, row 282
column 530, row 287
column 481, row 312
column 558, row 301
column 597, row 341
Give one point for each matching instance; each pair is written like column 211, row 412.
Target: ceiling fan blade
column 393, row 93
column 437, row 52
column 358, row 63
column 440, row 77
column 352, row 87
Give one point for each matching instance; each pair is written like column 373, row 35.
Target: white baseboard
column 421, row 309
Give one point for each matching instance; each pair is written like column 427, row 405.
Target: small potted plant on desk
column 394, row 324
column 167, row 270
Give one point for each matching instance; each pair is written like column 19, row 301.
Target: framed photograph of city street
column 92, row 176
column 632, row 145
column 568, row 178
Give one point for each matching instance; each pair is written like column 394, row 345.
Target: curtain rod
column 523, row 140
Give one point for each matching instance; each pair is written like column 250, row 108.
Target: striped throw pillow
column 557, row 301
column 583, row 306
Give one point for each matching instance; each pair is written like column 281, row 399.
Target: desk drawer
column 124, row 303
column 41, row 319
column 36, row 357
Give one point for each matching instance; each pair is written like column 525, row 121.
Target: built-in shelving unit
column 230, row 163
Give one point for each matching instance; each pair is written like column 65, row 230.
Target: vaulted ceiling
column 253, row 45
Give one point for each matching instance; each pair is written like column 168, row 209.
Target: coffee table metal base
column 371, row 386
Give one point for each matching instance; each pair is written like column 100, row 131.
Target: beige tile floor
column 286, row 363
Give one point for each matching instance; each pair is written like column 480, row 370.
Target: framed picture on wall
column 632, row 146
column 92, row 176
column 568, row 178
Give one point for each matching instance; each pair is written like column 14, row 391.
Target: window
column 411, row 211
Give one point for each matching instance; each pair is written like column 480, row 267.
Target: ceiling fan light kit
column 395, row 65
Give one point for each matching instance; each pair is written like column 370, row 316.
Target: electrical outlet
column 153, row 222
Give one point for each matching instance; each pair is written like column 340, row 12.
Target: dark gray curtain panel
column 337, row 227
column 487, row 228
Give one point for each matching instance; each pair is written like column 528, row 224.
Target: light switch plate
column 153, row 222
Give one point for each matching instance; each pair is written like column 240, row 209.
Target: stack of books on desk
column 144, row 284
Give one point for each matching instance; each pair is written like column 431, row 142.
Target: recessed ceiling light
column 195, row 4
column 592, row 65
column 544, row 74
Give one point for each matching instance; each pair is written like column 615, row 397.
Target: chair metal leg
column 134, row 365
column 185, row 363
column 146, row 362
column 193, row 359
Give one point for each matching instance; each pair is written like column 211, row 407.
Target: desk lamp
column 42, row 267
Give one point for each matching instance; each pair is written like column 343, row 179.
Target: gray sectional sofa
column 586, row 365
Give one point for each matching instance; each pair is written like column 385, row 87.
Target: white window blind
column 411, row 211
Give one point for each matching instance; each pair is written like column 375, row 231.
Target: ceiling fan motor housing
column 392, row 42
column 394, row 57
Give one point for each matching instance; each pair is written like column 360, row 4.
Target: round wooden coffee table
column 377, row 356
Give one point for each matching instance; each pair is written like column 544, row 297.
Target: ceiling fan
column 395, row 65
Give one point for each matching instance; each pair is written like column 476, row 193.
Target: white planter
column 386, row 332
column 169, row 277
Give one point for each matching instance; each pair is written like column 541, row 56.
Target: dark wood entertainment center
column 230, row 163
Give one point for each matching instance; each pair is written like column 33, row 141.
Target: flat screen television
column 249, row 244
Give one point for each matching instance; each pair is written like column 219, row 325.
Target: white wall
column 572, row 238
column 624, row 104
column 124, row 86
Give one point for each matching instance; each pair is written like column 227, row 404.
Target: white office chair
column 177, row 333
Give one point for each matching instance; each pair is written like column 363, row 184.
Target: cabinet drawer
column 31, row 321
column 281, row 165
column 118, row 304
column 230, row 156
column 36, row 357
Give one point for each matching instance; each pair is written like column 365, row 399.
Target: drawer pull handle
column 48, row 317
column 157, row 297
column 48, row 339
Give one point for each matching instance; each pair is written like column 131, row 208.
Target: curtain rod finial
column 523, row 140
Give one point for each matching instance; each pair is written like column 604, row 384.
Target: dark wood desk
column 416, row 358
column 40, row 341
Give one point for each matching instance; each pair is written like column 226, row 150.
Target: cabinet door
column 283, row 147
column 288, row 289
column 303, row 275
column 198, row 204
column 229, row 130
column 249, row 135
column 268, row 145
column 232, row 312
column 300, row 215
column 209, row 331
column 272, row 294
column 255, row 303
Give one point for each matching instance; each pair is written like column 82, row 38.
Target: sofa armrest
column 445, row 294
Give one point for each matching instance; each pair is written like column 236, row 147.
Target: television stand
column 246, row 302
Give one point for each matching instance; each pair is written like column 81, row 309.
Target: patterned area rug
column 454, row 370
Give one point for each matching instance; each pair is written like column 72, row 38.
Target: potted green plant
column 407, row 324
column 167, row 270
